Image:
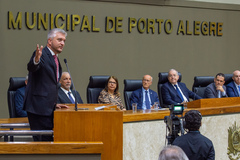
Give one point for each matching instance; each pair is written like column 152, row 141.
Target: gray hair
column 52, row 33
column 173, row 70
column 148, row 75
column 172, row 153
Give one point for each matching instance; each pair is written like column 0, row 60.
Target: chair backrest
column 130, row 85
column 228, row 78
column 163, row 78
column 95, row 86
column 200, row 84
column 14, row 84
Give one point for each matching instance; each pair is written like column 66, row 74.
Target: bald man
column 233, row 88
column 65, row 94
column 144, row 97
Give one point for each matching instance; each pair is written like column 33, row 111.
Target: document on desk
column 100, row 108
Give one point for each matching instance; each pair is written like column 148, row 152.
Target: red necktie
column 56, row 61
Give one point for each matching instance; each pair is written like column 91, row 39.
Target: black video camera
column 174, row 123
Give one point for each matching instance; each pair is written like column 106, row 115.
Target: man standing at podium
column 233, row 88
column 216, row 89
column 41, row 92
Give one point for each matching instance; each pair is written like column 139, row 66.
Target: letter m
column 14, row 23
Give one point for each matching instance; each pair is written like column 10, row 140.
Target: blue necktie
column 179, row 93
column 147, row 100
column 70, row 97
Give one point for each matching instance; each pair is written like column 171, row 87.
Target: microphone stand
column 73, row 85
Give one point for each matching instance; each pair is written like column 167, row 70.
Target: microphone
column 65, row 61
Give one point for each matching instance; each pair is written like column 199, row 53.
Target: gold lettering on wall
column 181, row 28
column 168, row 26
column 33, row 22
column 60, row 17
column 219, row 29
column 94, row 29
column 196, row 27
column 42, row 20
column 151, row 24
column 119, row 24
column 132, row 24
column 12, row 23
column 85, row 24
column 75, row 21
column 110, row 24
column 159, row 21
column 204, row 28
column 143, row 22
column 46, row 21
column 187, row 28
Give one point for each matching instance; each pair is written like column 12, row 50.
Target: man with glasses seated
column 144, row 97
column 216, row 89
column 174, row 92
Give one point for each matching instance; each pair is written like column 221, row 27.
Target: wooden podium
column 214, row 102
column 92, row 126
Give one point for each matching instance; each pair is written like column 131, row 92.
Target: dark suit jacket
column 196, row 146
column 211, row 92
column 137, row 97
column 42, row 91
column 18, row 101
column 63, row 98
column 232, row 90
column 170, row 95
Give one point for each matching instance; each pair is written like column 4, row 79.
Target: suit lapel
column 151, row 96
column 64, row 96
column 52, row 69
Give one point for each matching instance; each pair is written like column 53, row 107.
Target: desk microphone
column 73, row 85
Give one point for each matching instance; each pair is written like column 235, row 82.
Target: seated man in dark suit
column 65, row 94
column 144, row 97
column 174, row 92
column 233, row 88
column 194, row 144
column 216, row 89
column 18, row 100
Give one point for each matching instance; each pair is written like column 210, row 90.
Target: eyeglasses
column 112, row 82
column 146, row 80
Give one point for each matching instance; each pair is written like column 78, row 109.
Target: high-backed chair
column 130, row 85
column 95, row 86
column 163, row 78
column 14, row 84
column 200, row 84
column 228, row 78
